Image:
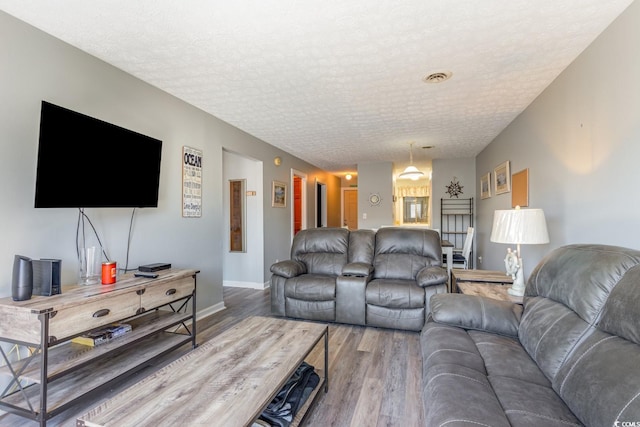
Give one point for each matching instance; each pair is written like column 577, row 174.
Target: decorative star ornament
column 454, row 189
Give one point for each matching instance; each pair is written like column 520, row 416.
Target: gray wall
column 375, row 178
column 35, row 67
column 580, row 140
column 444, row 171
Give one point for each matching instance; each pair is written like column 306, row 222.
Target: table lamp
column 518, row 226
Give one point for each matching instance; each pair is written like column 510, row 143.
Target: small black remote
column 145, row 274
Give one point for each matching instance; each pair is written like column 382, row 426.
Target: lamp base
column 515, row 292
column 517, row 289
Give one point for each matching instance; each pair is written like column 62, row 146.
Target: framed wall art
column 191, row 182
column 502, row 178
column 485, row 186
column 279, row 194
column 237, row 215
column 520, row 189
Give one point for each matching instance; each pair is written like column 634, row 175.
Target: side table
column 488, row 283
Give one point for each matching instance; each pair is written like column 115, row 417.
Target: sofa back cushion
column 361, row 246
column 567, row 292
column 582, row 276
column 400, row 253
column 322, row 250
column 600, row 381
column 621, row 314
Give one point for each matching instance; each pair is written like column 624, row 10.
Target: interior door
column 350, row 209
column 297, row 204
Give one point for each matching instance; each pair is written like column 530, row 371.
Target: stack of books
column 102, row 335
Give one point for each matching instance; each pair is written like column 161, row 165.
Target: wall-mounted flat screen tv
column 84, row 162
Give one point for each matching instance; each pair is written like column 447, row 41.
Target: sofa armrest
column 288, row 268
column 361, row 269
column 475, row 312
column 431, row 275
column 351, row 304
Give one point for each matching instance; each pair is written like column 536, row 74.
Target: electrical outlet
column 479, row 260
column 364, row 216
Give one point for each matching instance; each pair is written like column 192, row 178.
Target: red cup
column 109, row 273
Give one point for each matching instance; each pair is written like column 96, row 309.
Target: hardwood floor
column 375, row 375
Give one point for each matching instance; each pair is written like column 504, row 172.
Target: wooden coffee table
column 227, row 381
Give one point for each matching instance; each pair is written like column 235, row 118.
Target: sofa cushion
column 361, row 246
column 432, row 275
column 288, row 268
column 401, row 253
column 621, row 315
column 311, row 287
column 322, row 250
column 581, row 276
column 442, row 344
column 394, row 294
column 410, row 319
column 455, row 395
column 549, row 331
column 357, row 269
column 313, row 310
column 601, row 381
column 483, row 314
column 505, row 357
column 531, row 405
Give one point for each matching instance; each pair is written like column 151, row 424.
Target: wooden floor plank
column 369, row 341
column 374, row 374
column 395, row 380
column 369, row 401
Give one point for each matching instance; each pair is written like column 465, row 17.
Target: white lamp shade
column 519, row 226
column 411, row 172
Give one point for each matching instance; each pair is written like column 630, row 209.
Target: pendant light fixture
column 411, row 172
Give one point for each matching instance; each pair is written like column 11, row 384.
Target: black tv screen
column 84, row 162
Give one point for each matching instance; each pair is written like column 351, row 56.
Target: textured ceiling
column 339, row 82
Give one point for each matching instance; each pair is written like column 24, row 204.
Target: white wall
column 35, row 67
column 580, row 140
column 244, row 269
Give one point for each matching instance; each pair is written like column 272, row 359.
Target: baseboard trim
column 210, row 311
column 248, row 285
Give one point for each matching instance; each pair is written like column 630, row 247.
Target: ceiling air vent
column 437, row 77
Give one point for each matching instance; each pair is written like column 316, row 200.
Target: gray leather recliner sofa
column 361, row 277
column 571, row 356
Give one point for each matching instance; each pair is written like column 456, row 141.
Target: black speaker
column 46, row 276
column 22, row 282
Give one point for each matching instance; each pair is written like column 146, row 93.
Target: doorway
column 321, row 204
column 298, row 202
column 243, row 255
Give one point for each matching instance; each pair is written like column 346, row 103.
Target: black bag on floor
column 284, row 407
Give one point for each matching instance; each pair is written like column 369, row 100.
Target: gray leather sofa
column 571, row 356
column 383, row 278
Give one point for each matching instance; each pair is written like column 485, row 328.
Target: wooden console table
column 227, row 381
column 487, row 283
column 459, row 275
column 59, row 373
